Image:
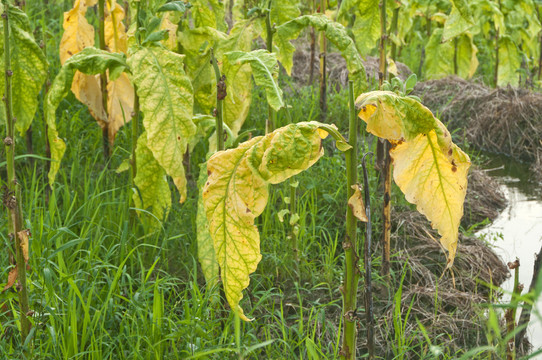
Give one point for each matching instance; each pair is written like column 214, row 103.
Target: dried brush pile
column 506, row 120
column 448, row 304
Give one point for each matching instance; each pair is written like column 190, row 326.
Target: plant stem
column 351, row 271
column 220, row 96
column 47, row 86
column 271, row 118
column 393, row 30
column 496, row 75
column 323, row 65
column 14, row 201
column 369, row 318
column 455, row 56
column 135, row 135
column 382, row 45
column 313, row 45
column 510, row 315
column 293, row 232
column 386, row 213
column 103, row 82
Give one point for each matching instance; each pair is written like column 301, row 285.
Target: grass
column 104, row 286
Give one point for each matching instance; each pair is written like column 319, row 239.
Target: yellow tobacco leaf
column 236, row 192
column 171, row 41
column 87, row 89
column 12, row 277
column 120, row 104
column 78, row 33
column 116, row 39
column 428, row 168
column 23, row 238
column 356, row 204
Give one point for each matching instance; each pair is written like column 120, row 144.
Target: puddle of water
column 517, row 232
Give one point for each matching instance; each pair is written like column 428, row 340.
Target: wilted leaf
column 335, row 32
column 428, row 168
column 23, row 238
column 456, row 24
column 120, row 104
column 265, row 70
column 166, row 100
column 509, row 62
column 467, row 61
column 356, row 204
column 206, row 250
column 154, row 194
column 236, row 192
column 12, row 277
column 438, row 57
column 90, row 61
column 29, row 67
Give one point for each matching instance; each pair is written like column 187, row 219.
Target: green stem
column 103, row 81
column 135, row 135
column 455, row 56
column 496, row 75
column 14, row 201
column 351, row 271
column 382, row 45
column 369, row 318
column 220, row 95
column 394, row 30
column 47, row 86
column 293, row 232
column 323, row 65
column 271, row 118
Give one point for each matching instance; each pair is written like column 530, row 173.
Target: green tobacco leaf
column 166, row 100
column 509, row 62
column 208, row 13
column 265, row 70
column 236, row 193
column 366, row 27
column 335, row 32
column 90, row 61
column 428, row 167
column 455, row 25
column 206, row 250
column 283, row 11
column 438, row 57
column 344, row 9
column 179, row 6
column 467, row 61
column 151, row 181
column 29, row 67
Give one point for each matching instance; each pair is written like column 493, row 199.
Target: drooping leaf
column 428, row 167
column 78, row 35
column 166, row 100
column 467, row 61
column 456, row 24
column 206, row 250
column 151, row 181
column 356, row 204
column 265, row 70
column 29, row 67
column 438, row 57
column 366, row 27
column 236, row 192
column 335, row 32
column 120, row 92
column 509, row 62
column 90, row 61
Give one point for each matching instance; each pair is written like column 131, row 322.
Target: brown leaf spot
column 454, row 168
column 450, row 152
column 178, row 138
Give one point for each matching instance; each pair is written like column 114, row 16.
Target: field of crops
column 262, row 179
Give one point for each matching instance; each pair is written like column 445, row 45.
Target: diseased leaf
column 206, row 250
column 366, row 27
column 456, row 24
column 12, row 277
column 116, row 39
column 428, row 168
column 236, row 193
column 438, row 57
column 166, row 100
column 467, row 61
column 154, row 194
column 23, row 238
column 90, row 61
column 265, row 70
column 356, row 204
column 29, row 67
column 509, row 62
column 120, row 104
column 171, row 41
column 179, row 6
column 335, row 32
